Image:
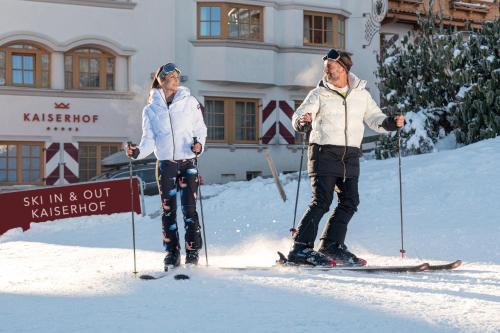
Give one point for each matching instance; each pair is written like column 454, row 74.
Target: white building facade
column 74, row 77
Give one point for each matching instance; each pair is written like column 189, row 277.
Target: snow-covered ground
column 75, row 275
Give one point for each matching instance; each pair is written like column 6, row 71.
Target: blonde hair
column 156, row 82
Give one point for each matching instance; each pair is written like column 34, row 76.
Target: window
column 23, row 69
column 227, row 177
column 341, row 33
column 326, row 30
column 21, row 163
column 89, row 68
column 209, row 21
column 2, row 68
column 245, row 118
column 231, row 120
column 244, row 23
column 24, row 65
column 90, row 156
column 253, row 174
column 230, row 21
column 214, row 119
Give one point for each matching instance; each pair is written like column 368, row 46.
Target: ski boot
column 303, row 254
column 192, row 257
column 172, row 259
column 340, row 254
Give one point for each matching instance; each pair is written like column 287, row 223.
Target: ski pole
column 304, row 135
column 195, row 141
column 402, row 250
column 129, row 144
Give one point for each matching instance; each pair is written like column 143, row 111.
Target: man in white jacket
column 334, row 112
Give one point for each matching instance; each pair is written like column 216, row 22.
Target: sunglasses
column 167, row 69
column 333, row 55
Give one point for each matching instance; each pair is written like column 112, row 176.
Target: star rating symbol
column 62, row 129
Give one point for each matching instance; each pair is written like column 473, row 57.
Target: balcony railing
column 471, row 6
column 416, row 2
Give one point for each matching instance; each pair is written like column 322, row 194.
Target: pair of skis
column 159, row 275
column 423, row 267
column 282, row 263
column 156, row 276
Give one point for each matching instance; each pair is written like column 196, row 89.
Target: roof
column 119, row 158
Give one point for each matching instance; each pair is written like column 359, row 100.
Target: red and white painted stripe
column 55, row 153
column 70, row 158
column 269, row 123
column 286, row 131
column 52, row 159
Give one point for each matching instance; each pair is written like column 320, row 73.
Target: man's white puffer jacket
column 338, row 121
column 169, row 131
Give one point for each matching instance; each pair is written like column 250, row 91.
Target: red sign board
column 20, row 208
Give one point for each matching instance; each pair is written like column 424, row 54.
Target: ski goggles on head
column 167, row 69
column 332, row 54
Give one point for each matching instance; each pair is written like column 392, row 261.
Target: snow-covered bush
column 443, row 81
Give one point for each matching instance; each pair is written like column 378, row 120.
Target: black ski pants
column 323, row 188
column 179, row 177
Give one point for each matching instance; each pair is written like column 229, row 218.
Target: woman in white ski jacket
column 334, row 112
column 173, row 127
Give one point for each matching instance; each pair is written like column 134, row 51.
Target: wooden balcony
column 416, row 2
column 455, row 12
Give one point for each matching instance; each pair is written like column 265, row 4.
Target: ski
column 153, row 276
column 424, row 267
column 160, row 275
column 365, row 269
column 443, row 267
column 283, row 263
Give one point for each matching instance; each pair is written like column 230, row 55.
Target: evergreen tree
column 476, row 116
column 443, row 82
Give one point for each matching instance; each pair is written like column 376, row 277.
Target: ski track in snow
column 76, row 275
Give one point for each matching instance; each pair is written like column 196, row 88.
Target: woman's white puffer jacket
column 169, row 131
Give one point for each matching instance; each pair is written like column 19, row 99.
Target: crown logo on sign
column 61, row 105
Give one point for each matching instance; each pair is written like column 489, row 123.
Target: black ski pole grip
column 195, row 141
column 135, row 152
